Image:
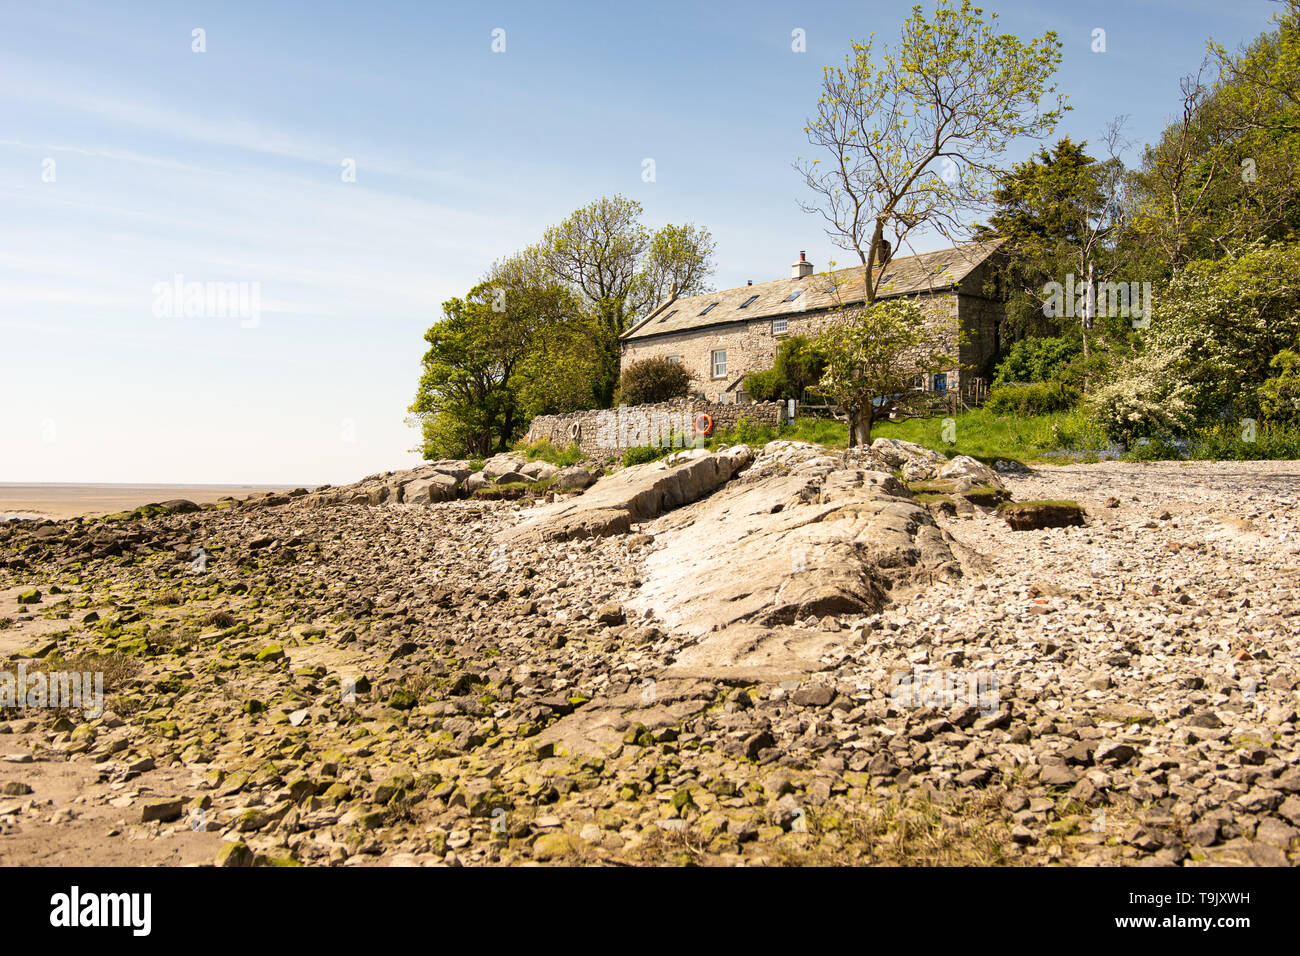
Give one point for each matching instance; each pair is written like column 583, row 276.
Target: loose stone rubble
column 803, row 661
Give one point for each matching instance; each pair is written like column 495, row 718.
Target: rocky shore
column 760, row 656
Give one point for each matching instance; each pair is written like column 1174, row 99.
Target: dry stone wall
column 607, row 432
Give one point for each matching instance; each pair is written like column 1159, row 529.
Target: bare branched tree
column 914, row 139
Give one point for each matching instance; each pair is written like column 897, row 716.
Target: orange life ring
column 708, row 424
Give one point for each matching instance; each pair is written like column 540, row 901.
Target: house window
column 940, row 382
column 709, row 309
column 675, row 359
column 747, row 302
column 793, row 295
column 720, row 363
column 668, row 316
column 779, row 326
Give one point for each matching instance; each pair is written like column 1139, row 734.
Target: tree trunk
column 860, row 425
column 869, row 267
column 1085, row 319
column 507, row 430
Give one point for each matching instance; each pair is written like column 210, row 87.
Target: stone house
column 720, row 337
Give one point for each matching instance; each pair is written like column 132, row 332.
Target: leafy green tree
column 1059, row 212
column 678, row 259
column 562, row 370
column 464, row 395
column 515, row 346
column 798, row 366
column 619, row 269
column 914, row 136
column 875, row 352
column 539, row 335
column 1215, row 331
column 1223, row 174
column 1270, row 68
column 563, row 362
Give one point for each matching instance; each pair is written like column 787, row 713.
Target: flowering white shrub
column 1147, row 400
column 1214, row 330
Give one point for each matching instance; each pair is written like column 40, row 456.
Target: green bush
column 799, row 365
column 1077, row 430
column 644, row 453
column 767, row 386
column 1040, row 398
column 650, row 381
column 1153, row 449
column 1035, row 360
column 1229, row 441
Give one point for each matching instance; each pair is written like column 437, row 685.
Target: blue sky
column 226, row 166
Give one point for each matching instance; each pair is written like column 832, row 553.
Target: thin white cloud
column 119, row 155
column 234, row 132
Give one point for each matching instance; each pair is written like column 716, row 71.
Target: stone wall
column 607, row 432
column 980, row 320
column 941, row 318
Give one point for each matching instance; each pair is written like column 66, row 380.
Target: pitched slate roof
column 908, row 275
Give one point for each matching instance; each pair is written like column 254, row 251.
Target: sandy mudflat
column 73, row 500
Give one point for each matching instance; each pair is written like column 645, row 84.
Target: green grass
column 939, row 486
column 545, row 451
column 986, row 436
column 978, row 433
column 819, row 431
column 987, row 497
column 511, row 490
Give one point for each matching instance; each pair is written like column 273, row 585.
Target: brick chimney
column 801, row 268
